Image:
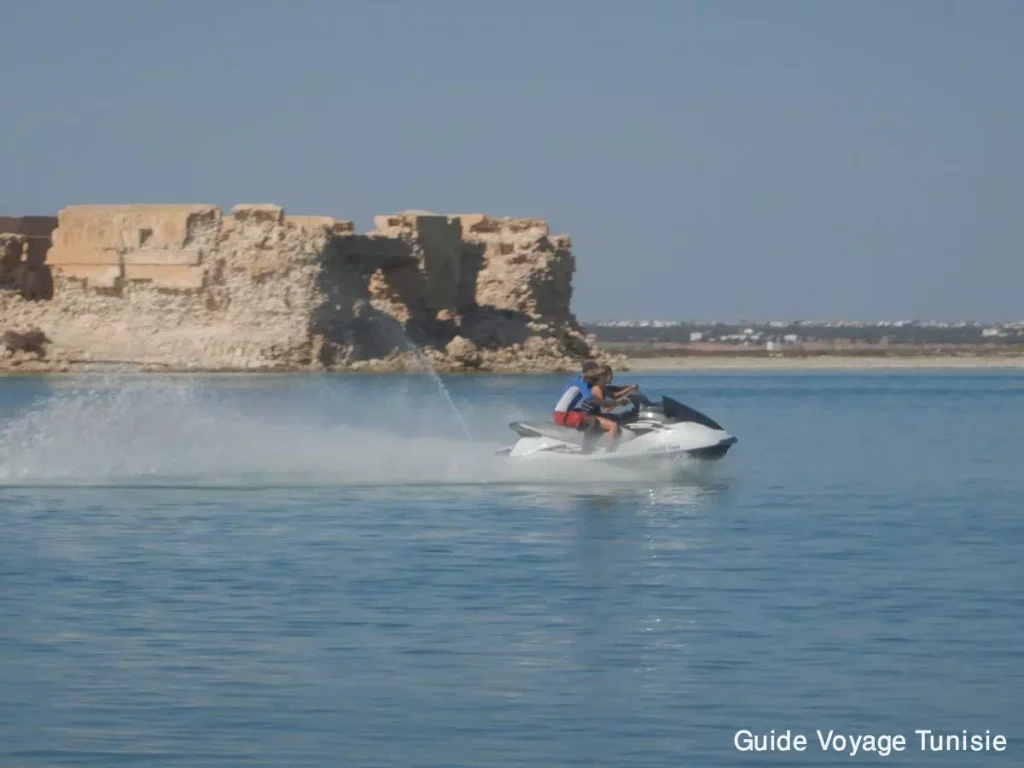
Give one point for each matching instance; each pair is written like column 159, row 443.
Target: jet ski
column 652, row 432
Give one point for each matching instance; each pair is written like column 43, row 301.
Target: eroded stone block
column 172, row 277
column 387, row 222
column 335, row 226
column 129, row 227
column 258, row 213
column 167, row 257
column 62, row 254
column 533, row 226
column 94, row 275
column 87, row 226
column 403, row 223
column 476, row 222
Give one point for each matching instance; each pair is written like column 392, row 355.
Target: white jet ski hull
column 651, row 435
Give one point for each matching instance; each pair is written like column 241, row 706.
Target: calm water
column 323, row 571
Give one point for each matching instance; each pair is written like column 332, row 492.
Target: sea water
column 325, row 571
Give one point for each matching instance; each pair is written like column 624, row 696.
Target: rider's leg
column 611, row 432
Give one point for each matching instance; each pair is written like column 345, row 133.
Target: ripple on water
column 212, row 574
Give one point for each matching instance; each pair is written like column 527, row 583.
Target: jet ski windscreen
column 676, row 411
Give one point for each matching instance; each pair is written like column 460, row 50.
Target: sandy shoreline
column 823, row 362
column 639, row 364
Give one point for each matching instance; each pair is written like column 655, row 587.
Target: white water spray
column 440, row 386
column 254, row 431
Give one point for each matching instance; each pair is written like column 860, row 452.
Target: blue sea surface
column 327, row 571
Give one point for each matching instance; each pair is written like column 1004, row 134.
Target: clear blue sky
column 715, row 159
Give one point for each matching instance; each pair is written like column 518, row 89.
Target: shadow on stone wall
column 35, row 283
column 469, row 270
column 24, row 241
column 22, row 268
column 376, row 304
column 492, row 328
column 345, row 326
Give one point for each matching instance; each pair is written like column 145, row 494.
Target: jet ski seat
column 556, row 431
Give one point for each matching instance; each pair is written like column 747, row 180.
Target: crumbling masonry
column 185, row 287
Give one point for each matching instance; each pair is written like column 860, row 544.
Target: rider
column 611, row 390
column 572, row 409
column 581, row 403
column 603, row 398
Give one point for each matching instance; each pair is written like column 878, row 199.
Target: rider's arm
column 597, row 396
column 622, row 390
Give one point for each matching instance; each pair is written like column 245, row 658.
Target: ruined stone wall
column 107, row 247
column 187, row 287
column 24, row 242
column 524, row 267
column 435, row 242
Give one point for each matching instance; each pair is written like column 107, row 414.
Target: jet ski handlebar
column 637, row 400
column 671, row 409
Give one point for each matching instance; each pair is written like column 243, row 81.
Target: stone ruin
column 186, row 287
column 24, row 242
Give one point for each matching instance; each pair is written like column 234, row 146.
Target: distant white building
column 696, row 336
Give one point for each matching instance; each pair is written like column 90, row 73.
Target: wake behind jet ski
column 652, row 432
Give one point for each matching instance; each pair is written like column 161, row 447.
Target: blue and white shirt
column 576, row 398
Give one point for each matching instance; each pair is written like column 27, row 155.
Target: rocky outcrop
column 186, row 287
